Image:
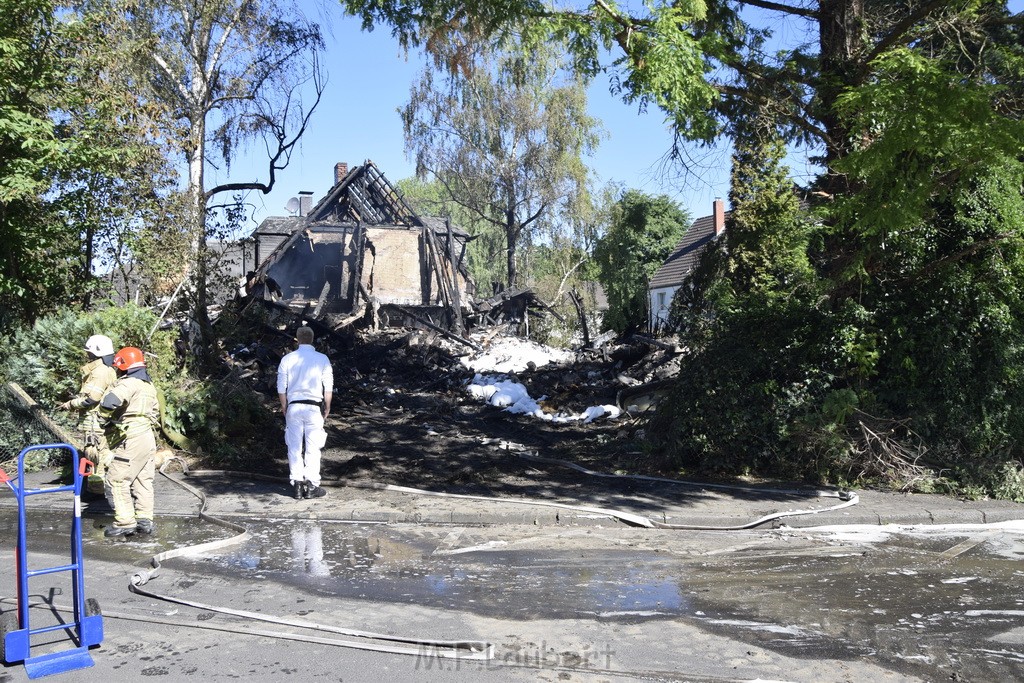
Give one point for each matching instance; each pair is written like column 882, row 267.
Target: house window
column 661, row 301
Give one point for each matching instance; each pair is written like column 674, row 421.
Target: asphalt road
column 556, row 597
column 558, row 604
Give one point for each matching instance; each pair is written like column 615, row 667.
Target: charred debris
column 633, row 373
column 363, row 257
column 388, row 291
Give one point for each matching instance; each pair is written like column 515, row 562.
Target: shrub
column 219, row 418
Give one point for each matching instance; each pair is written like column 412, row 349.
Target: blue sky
column 370, row 79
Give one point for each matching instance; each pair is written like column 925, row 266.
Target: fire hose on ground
column 455, row 649
column 460, row 649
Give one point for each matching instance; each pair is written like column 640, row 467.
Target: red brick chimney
column 340, row 171
column 719, row 216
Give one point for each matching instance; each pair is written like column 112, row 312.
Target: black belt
column 308, row 402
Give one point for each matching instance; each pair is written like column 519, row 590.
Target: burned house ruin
column 362, row 252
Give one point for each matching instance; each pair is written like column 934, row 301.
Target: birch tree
column 505, row 133
column 227, row 73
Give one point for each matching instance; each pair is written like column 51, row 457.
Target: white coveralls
column 305, row 377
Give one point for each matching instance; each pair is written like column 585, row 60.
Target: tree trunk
column 510, row 255
column 843, row 44
column 201, row 340
column 90, row 237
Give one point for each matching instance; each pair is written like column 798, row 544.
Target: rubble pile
column 404, row 409
column 377, row 364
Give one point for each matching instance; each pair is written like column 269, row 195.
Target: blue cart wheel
column 92, row 624
column 8, row 624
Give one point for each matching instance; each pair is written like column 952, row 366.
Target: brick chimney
column 718, row 213
column 340, row 171
column 305, row 202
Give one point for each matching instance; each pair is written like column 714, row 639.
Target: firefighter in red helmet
column 130, row 412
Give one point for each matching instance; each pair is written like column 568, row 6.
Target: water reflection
column 377, row 564
column 308, row 551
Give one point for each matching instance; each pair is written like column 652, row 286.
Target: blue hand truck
column 15, row 632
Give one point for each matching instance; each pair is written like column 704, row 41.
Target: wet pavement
column 236, row 495
column 562, row 595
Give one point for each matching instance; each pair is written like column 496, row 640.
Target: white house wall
column 659, row 304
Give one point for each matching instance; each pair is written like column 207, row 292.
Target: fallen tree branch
column 39, row 413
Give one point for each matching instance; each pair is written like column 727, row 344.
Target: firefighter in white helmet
column 98, row 375
column 130, row 412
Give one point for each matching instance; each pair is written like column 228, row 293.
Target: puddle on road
column 908, row 602
column 383, row 564
column 51, row 532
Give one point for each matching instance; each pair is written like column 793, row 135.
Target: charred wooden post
column 457, row 301
column 577, row 302
column 358, row 249
column 454, row 337
column 320, row 301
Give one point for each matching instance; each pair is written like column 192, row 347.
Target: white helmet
column 99, row 345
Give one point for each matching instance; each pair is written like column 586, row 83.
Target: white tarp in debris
column 502, row 392
column 511, row 354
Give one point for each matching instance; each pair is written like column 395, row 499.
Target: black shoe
column 313, row 491
column 145, row 526
column 116, row 531
column 299, row 489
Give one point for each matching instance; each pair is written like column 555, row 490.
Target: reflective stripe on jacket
column 136, row 409
column 97, row 379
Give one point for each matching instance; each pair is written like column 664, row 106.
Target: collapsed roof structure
column 363, row 251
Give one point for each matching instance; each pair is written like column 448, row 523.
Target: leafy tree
column 938, row 250
column 30, row 70
column 75, row 154
column 223, row 72
column 642, row 234
column 504, row 133
column 707, row 65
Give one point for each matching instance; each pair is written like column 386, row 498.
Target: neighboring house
column 362, row 246
column 229, row 260
column 680, row 264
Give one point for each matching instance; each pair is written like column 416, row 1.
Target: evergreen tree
column 642, row 234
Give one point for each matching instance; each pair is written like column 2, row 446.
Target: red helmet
column 129, row 358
